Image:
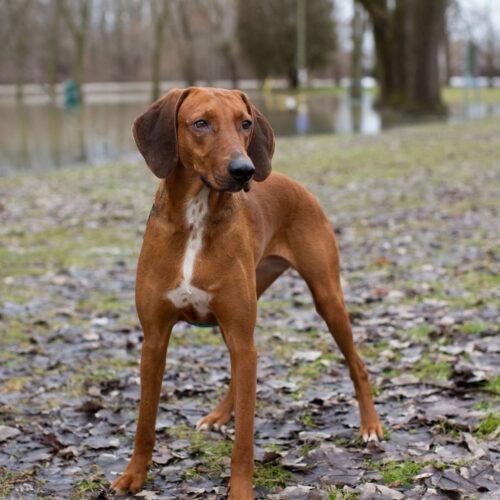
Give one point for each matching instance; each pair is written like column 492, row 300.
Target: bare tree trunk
column 407, row 41
column 231, row 60
column 423, row 76
column 221, row 16
column 159, row 10
column 358, row 31
column 79, row 32
column 18, row 19
column 188, row 60
column 53, row 52
column 490, row 53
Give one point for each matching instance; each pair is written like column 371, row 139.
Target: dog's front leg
column 238, row 333
column 153, row 357
column 244, row 373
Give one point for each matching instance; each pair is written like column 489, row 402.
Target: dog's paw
column 129, row 481
column 214, row 421
column 372, row 432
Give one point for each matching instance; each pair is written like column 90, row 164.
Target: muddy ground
column 416, row 215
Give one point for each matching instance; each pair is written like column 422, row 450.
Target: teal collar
column 199, row 325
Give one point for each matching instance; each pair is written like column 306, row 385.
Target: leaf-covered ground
column 416, row 213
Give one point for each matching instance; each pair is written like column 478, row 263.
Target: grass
column 213, row 457
column 9, row 480
column 420, row 332
column 450, row 95
column 397, row 473
column 414, row 180
column 338, row 494
column 90, row 487
column 456, row 95
column 489, row 425
column 212, row 454
column 271, row 476
column 429, row 369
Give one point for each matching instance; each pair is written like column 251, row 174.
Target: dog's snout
column 241, row 170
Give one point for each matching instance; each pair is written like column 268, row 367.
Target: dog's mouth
column 227, row 187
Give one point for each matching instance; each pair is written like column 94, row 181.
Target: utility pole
column 301, row 43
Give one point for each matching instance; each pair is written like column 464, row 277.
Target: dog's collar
column 200, row 325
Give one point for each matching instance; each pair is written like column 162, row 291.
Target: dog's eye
column 246, row 124
column 200, row 124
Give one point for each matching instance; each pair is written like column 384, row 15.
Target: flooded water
column 38, row 136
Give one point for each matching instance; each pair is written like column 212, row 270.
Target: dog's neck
column 184, row 185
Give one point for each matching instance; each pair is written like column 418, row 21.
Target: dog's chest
column 186, row 294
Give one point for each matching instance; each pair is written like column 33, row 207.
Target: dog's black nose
column 241, row 170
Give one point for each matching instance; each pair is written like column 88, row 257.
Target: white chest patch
column 186, row 294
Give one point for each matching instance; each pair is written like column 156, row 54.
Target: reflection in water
column 54, row 131
column 23, row 153
column 40, row 137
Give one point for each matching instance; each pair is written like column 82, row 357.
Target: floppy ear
column 261, row 146
column 155, row 133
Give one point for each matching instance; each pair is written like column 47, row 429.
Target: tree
column 18, row 16
column 53, row 36
column 78, row 22
column 160, row 13
column 358, row 31
column 408, row 36
column 267, row 35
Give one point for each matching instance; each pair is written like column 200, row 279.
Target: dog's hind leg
column 319, row 266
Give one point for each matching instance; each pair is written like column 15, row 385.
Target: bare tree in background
column 358, row 29
column 53, row 47
column 483, row 34
column 18, row 12
column 186, row 13
column 267, row 33
column 77, row 17
column 160, row 12
column 408, row 37
column 221, row 15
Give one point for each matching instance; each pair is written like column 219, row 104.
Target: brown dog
column 214, row 242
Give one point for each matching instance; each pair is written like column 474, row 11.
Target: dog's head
column 216, row 132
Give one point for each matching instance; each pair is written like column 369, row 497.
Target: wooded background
column 411, row 46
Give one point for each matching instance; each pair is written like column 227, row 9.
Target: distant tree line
column 48, row 41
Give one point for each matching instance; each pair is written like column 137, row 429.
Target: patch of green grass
column 271, row 476
column 420, row 332
column 90, row 486
column 15, row 384
column 213, row 454
column 309, row 371
column 337, row 494
column 427, row 368
column 452, row 95
column 447, row 427
column 397, row 473
column 15, row 331
column 9, row 480
column 391, row 372
column 387, row 432
column 483, row 405
column 493, row 384
column 307, row 420
column 372, row 350
column 473, row 328
column 489, row 425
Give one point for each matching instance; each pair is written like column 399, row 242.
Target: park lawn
column 415, row 210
